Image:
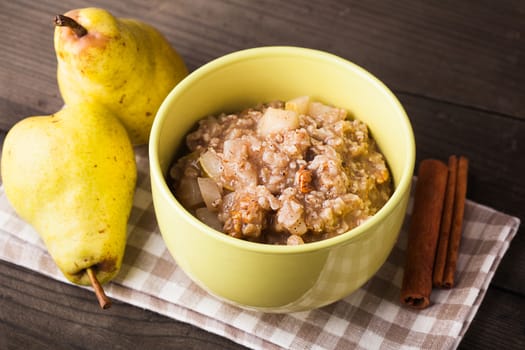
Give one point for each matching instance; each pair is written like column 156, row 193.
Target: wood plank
column 494, row 146
column 466, row 54
column 32, row 305
column 510, row 274
column 501, row 326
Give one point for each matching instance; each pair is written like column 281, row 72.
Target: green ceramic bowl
column 266, row 277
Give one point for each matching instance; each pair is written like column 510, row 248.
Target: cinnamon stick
column 457, row 223
column 423, row 233
column 446, row 221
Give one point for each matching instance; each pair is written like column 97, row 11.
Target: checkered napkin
column 370, row 318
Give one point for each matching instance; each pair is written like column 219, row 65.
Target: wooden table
column 458, row 67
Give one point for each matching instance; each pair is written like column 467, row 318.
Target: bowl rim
column 158, row 177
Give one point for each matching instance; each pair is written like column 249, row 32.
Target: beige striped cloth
column 370, row 318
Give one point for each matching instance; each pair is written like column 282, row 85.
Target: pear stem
column 102, row 298
column 65, row 21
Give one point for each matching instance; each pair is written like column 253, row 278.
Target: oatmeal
column 282, row 172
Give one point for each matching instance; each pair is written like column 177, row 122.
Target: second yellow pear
column 124, row 64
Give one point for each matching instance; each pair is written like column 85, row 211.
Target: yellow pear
column 125, row 64
column 72, row 176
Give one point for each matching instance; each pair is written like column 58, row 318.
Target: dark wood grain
column 502, row 327
column 45, row 315
column 442, row 51
column 457, row 67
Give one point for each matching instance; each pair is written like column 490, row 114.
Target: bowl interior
column 248, row 77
